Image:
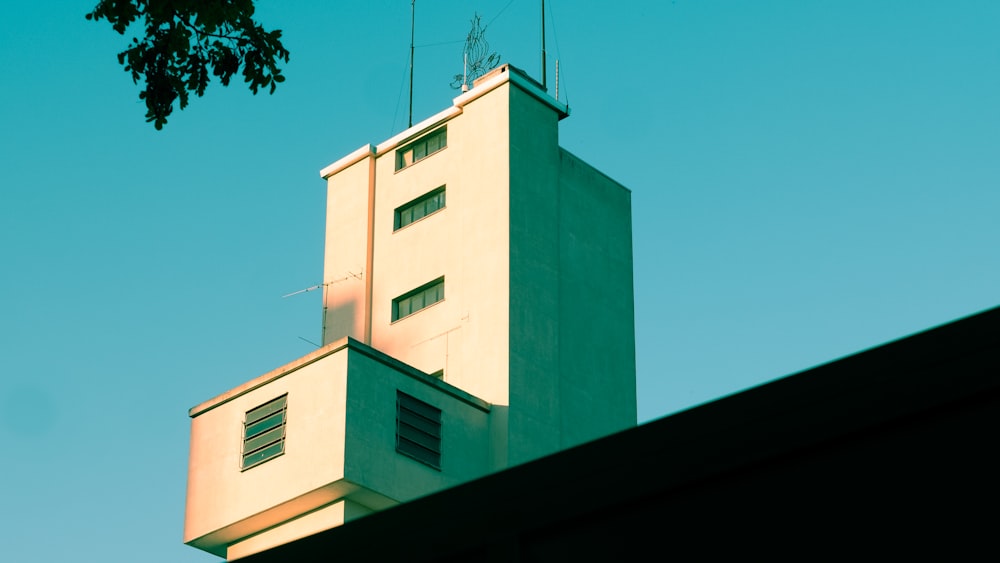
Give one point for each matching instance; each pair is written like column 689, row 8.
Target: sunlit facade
column 477, row 314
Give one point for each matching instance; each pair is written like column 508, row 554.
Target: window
column 420, row 298
column 418, row 430
column 421, row 148
column 264, row 432
column 419, row 208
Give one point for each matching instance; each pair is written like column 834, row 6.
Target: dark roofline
column 900, row 436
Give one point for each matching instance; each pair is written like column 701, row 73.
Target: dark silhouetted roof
column 885, row 454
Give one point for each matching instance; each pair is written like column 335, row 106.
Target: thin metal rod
column 543, row 46
column 413, row 8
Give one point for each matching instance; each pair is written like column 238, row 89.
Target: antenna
column 349, row 275
column 465, row 72
column 557, row 79
column 303, row 290
column 477, row 59
column 543, row 47
column 413, row 9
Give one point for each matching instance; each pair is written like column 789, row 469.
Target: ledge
column 333, row 348
column 356, row 156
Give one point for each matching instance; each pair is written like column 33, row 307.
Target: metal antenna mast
column 543, row 47
column 413, row 8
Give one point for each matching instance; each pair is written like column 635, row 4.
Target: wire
column 402, row 83
column 498, row 13
column 555, row 35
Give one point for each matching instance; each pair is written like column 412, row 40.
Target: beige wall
column 372, row 460
column 535, row 334
column 340, row 445
column 330, row 516
column 535, row 249
column 221, row 497
column 466, row 334
column 345, row 267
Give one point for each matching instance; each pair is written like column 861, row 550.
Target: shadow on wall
column 339, row 321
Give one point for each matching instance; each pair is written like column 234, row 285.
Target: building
column 477, row 315
column 885, row 455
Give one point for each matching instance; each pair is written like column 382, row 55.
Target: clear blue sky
column 809, row 179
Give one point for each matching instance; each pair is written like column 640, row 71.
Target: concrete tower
column 477, row 314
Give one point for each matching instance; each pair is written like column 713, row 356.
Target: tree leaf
column 183, row 39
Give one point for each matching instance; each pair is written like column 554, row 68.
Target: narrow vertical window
column 422, row 148
column 418, row 430
column 417, row 299
column 264, row 432
column 419, row 208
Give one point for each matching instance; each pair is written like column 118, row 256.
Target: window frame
column 398, row 213
column 433, row 284
column 275, row 408
column 421, row 148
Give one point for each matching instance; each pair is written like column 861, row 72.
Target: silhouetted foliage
column 184, row 39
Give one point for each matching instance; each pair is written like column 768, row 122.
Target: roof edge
column 333, row 348
column 510, row 73
column 363, row 152
column 485, row 84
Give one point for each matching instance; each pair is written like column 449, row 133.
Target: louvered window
column 264, row 432
column 418, row 430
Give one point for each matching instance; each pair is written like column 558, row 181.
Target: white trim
column 417, row 130
column 364, row 151
column 508, row 73
column 501, row 75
